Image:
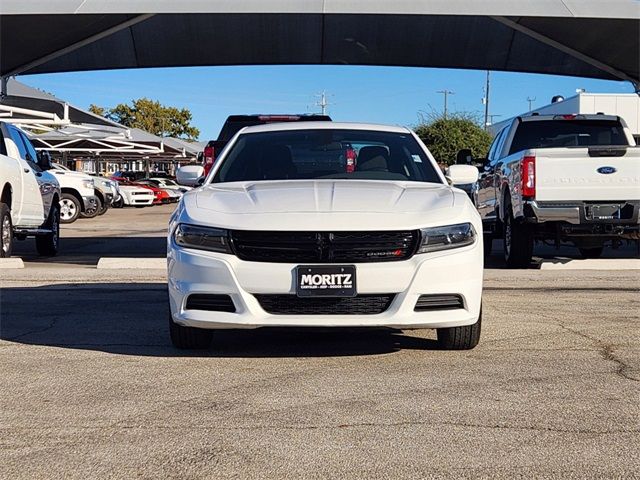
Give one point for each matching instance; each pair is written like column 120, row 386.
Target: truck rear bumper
column 622, row 213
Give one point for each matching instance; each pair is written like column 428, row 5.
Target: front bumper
column 456, row 271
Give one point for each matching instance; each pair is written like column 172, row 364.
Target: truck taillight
column 351, row 160
column 529, row 177
column 208, row 159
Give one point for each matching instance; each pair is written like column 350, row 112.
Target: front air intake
column 427, row 303
column 210, row 303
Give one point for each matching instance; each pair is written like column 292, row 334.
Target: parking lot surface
column 90, row 386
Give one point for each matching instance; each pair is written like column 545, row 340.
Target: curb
column 592, row 264
column 120, row 263
column 14, row 262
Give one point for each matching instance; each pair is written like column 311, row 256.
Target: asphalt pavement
column 90, row 386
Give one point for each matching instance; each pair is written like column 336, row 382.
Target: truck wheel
column 47, row 245
column 118, row 203
column 189, row 338
column 6, row 231
column 460, row 338
column 93, row 211
column 518, row 243
column 594, row 252
column 69, row 208
column 103, row 209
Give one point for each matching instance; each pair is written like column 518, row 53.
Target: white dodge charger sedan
column 326, row 225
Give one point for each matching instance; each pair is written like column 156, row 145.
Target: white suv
column 326, row 225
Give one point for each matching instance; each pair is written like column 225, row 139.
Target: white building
column 625, row 105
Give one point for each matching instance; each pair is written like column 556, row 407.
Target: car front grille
column 324, row 247
column 294, row 305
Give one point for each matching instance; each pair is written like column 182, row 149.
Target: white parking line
column 117, row 263
column 14, row 262
column 591, row 264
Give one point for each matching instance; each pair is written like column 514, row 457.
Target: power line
column 446, row 94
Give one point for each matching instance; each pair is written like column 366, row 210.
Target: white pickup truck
column 78, row 195
column 30, row 194
column 560, row 179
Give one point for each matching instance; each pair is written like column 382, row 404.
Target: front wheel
column 69, row 208
column 460, row 338
column 47, row 244
column 594, row 252
column 518, row 243
column 189, row 338
column 6, row 231
column 93, row 212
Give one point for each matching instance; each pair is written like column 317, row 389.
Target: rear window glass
column 326, row 154
column 567, row 133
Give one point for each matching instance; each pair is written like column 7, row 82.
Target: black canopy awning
column 600, row 42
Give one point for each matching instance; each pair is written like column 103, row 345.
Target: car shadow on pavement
column 132, row 319
column 88, row 250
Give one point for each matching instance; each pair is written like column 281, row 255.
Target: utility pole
column 531, row 100
column 322, row 102
column 446, row 94
column 486, row 102
column 490, row 122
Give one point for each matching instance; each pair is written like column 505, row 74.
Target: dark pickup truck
column 235, row 123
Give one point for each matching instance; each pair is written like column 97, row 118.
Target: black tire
column 103, row 210
column 6, row 231
column 488, row 244
column 70, row 208
column 594, row 252
column 93, row 211
column 518, row 243
column 47, row 245
column 189, row 338
column 460, row 338
column 118, row 203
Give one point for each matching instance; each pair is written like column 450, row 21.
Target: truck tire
column 118, row 203
column 69, row 208
column 103, row 209
column 518, row 243
column 189, row 338
column 47, row 244
column 6, row 231
column 460, row 338
column 92, row 212
column 594, row 252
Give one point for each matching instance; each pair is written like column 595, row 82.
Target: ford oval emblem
column 606, row 170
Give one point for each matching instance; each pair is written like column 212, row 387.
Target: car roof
column 281, row 127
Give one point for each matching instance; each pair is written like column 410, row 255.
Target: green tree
column 446, row 136
column 153, row 117
column 95, row 109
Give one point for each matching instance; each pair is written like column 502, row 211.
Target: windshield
column 567, row 133
column 326, row 154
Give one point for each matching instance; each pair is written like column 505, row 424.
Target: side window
column 492, row 151
column 500, row 143
column 31, row 151
column 17, row 139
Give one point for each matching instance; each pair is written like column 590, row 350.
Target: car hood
column 324, row 204
column 322, row 196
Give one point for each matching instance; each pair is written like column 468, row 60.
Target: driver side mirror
column 44, row 160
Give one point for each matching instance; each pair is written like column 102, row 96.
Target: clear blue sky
column 391, row 95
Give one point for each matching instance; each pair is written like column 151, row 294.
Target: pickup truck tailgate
column 572, row 174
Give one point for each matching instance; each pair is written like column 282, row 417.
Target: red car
column 161, row 197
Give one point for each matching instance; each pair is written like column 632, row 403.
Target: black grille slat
column 293, row 305
column 439, row 302
column 210, row 303
column 322, row 247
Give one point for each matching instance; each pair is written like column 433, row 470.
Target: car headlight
column 202, row 238
column 106, row 183
column 88, row 183
column 444, row 238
